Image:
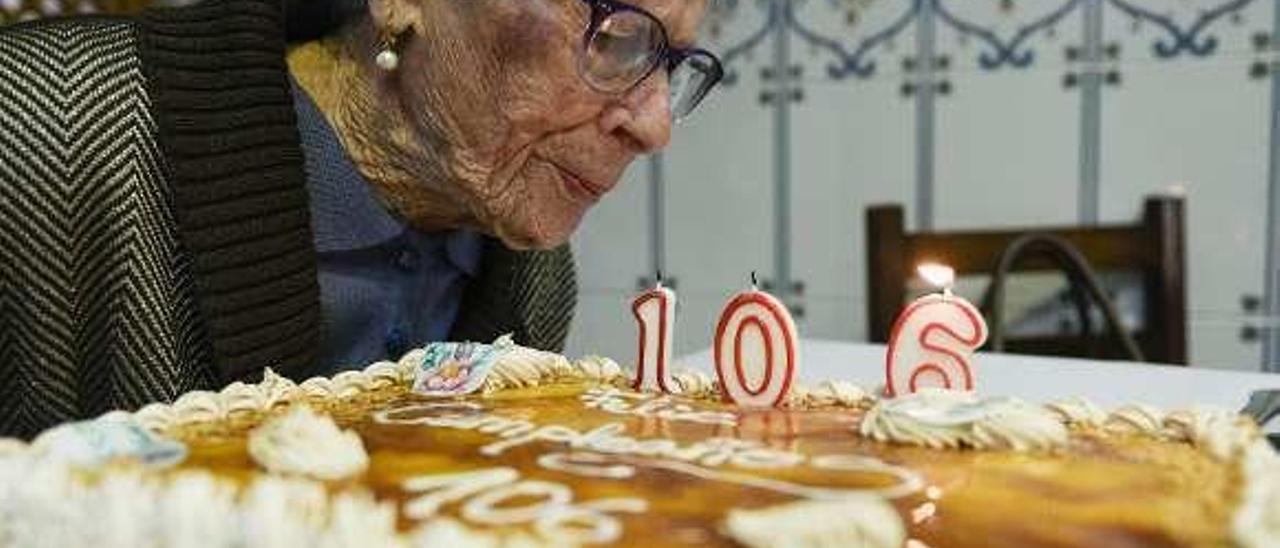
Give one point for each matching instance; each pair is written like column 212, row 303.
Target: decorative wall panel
column 852, row 144
column 977, row 113
column 1187, row 113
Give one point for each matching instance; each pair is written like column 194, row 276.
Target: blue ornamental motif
column 1193, row 39
column 997, row 50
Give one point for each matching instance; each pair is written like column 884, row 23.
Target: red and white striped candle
column 655, row 311
column 756, row 349
column 933, row 340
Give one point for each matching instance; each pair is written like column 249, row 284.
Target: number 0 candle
column 655, row 312
column 933, row 340
column 756, row 349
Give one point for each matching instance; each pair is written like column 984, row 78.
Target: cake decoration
column 1077, row 411
column 949, row 419
column 450, row 532
column 1136, row 418
column 520, row 367
column 10, row 446
column 696, row 384
column 111, row 439
column 348, row 384
column 756, row 349
column 598, row 369
column 43, row 503
column 320, row 388
column 201, row 406
column 636, row 404
column 829, row 394
column 863, row 521
column 933, row 340
column 1256, row 523
column 276, row 390
column 501, row 497
column 553, row 452
column 304, row 443
column 156, row 417
column 454, row 369
column 239, row 397
column 385, row 374
column 702, row 459
column 655, row 313
column 1221, row 432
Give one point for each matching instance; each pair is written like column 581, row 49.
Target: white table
column 1041, row 379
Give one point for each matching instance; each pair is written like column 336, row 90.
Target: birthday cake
column 498, row 445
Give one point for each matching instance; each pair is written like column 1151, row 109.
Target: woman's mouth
column 579, row 188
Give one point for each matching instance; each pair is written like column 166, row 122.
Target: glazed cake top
column 559, row 452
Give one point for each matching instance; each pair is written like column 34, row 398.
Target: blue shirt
column 384, row 287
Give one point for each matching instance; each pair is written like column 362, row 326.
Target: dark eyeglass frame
column 666, row 55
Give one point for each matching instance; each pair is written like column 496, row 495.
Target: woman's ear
column 393, row 17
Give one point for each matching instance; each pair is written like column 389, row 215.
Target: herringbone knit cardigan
column 154, row 228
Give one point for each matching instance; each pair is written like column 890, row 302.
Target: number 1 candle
column 756, row 349
column 933, row 340
column 655, row 310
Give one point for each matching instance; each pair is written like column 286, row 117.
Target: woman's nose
column 648, row 120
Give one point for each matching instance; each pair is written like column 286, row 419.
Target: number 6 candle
column 655, row 310
column 933, row 340
column 756, row 350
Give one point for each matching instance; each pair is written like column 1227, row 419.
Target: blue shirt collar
column 346, row 215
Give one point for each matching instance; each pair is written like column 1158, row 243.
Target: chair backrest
column 1155, row 247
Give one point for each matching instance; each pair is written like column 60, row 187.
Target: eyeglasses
column 624, row 45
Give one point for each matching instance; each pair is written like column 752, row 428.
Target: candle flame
column 938, row 275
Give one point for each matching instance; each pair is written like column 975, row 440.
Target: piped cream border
column 1218, row 431
column 1221, row 433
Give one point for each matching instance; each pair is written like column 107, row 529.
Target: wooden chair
column 1155, row 247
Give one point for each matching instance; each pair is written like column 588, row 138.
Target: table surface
column 1041, row 379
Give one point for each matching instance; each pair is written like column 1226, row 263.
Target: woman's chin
column 541, row 230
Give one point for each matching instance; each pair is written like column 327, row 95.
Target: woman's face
column 530, row 145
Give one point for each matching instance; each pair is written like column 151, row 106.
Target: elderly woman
column 185, row 201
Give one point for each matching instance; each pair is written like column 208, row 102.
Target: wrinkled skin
column 487, row 123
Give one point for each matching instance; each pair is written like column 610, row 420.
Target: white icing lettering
column 553, row 434
column 908, row 481
column 766, row 458
column 488, row 508
column 441, row 489
column 617, row 402
column 504, row 427
column 654, row 448
column 594, row 465
column 593, row 526
column 488, row 495
column 591, row 465
column 663, row 453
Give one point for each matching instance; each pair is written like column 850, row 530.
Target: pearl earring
column 387, row 58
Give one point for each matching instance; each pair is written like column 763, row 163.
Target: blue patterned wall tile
column 855, row 45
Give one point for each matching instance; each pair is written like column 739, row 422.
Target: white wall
column 1008, row 153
